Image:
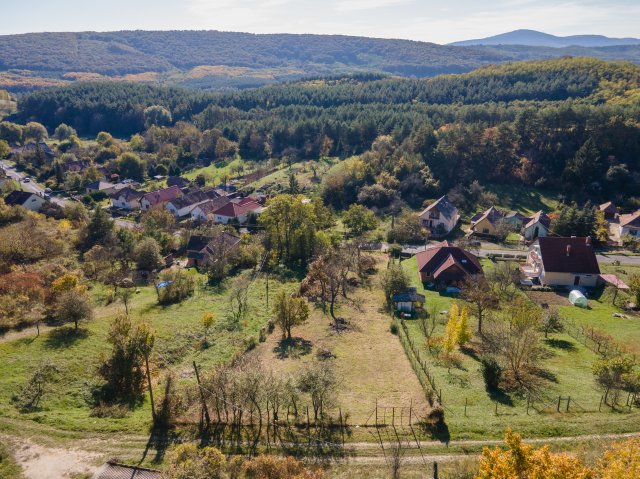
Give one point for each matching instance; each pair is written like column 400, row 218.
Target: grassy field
column 369, row 360
column 525, row 200
column 178, row 336
column 567, row 365
column 8, row 468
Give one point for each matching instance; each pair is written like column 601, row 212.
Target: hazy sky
column 426, row 20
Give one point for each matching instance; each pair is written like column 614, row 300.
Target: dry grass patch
column 369, row 360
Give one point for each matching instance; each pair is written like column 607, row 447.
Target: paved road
column 32, row 186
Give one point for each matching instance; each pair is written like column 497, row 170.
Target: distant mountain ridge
column 215, row 60
column 534, row 38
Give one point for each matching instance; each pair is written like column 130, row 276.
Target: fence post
column 600, row 406
column 496, row 408
column 465, row 407
column 435, row 470
column 558, row 407
column 568, row 401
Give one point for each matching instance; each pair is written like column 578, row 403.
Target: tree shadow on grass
column 560, row 344
column 292, row 348
column 64, row 337
column 545, row 374
column 500, row 396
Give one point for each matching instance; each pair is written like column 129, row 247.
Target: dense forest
column 215, row 60
column 522, row 122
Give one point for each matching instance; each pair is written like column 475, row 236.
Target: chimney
column 587, row 241
column 568, row 250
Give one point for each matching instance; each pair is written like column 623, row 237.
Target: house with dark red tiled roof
column 159, row 197
column 557, row 261
column 237, row 209
column 447, row 264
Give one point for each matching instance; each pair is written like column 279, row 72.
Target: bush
column 393, row 328
column 272, row 467
column 491, row 373
column 250, row 343
column 177, row 287
column 263, row 335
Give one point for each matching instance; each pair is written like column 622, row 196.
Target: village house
column 97, row 186
column 127, row 198
column 178, row 181
column 440, row 217
column 630, row 224
column 237, row 210
column 159, row 197
column 609, row 209
column 538, row 226
column 26, row 199
column 408, row 301
column 40, row 147
column 203, row 251
column 516, row 220
column 204, row 211
column 557, row 261
column 447, row 264
column 183, row 205
column 489, row 223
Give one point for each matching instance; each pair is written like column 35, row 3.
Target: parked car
column 26, row 179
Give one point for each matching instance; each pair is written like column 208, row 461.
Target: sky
column 424, row 20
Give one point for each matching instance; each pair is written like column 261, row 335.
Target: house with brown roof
column 557, row 261
column 183, row 205
column 237, row 210
column 26, row 199
column 489, row 223
column 447, row 264
column 609, row 209
column 127, row 198
column 440, row 217
column 538, row 226
column 159, row 197
column 204, row 211
column 630, row 224
column 203, row 251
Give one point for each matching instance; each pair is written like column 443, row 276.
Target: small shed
column 578, row 299
column 408, row 301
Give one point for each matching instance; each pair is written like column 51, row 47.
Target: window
column 434, row 215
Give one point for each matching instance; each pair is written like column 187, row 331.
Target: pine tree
column 463, row 334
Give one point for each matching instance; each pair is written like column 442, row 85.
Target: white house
column 237, row 210
column 562, row 262
column 26, row 199
column 126, row 198
column 630, row 224
column 159, row 197
column 184, row 205
column 440, row 217
column 537, row 227
column 204, row 211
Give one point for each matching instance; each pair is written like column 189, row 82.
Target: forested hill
column 118, row 107
column 218, row 60
column 520, row 122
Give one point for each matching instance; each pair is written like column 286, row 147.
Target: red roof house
column 447, row 264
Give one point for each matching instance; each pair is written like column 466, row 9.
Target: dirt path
column 40, row 462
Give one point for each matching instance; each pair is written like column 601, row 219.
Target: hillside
column 222, row 60
column 117, row 107
column 539, row 39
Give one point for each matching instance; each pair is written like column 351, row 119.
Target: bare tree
column 330, row 274
column 476, row 290
column 503, row 279
column 238, row 300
